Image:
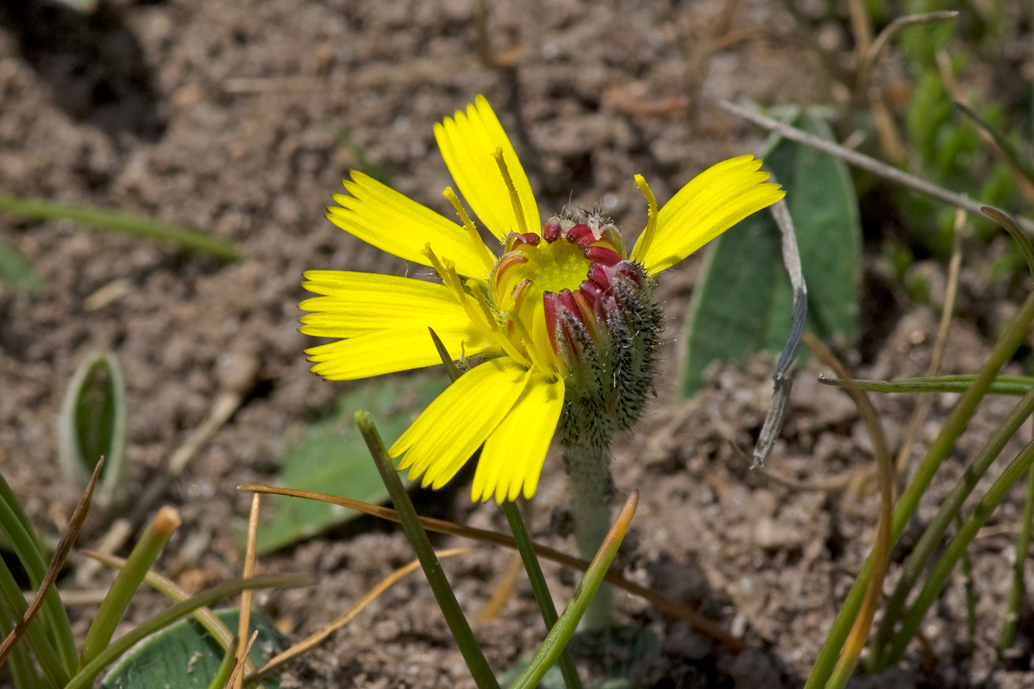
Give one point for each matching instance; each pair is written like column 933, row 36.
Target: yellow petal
column 513, row 455
column 468, row 142
column 395, row 349
column 381, row 216
column 712, row 202
column 358, row 303
column 446, row 434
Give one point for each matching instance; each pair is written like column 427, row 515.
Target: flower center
column 568, row 262
column 531, row 268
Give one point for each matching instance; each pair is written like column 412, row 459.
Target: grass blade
column 906, row 506
column 341, row 620
column 168, row 588
column 950, row 507
column 946, row 563
column 124, row 223
column 128, row 580
column 564, row 629
column 84, row 678
column 880, row 556
column 56, row 563
column 469, row 646
column 54, row 615
column 1002, row 385
column 539, row 588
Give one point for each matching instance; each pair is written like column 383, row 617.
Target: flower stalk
column 592, row 491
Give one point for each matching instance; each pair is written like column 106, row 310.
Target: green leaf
column 184, row 655
column 743, row 302
column 332, row 458
column 93, row 425
column 16, row 270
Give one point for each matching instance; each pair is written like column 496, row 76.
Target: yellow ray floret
column 396, row 349
column 381, row 216
column 712, row 202
column 512, row 458
column 445, row 435
column 359, row 303
column 468, row 142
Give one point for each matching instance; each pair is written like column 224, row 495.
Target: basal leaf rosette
column 563, row 320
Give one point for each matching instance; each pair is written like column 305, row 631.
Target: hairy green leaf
column 185, row 656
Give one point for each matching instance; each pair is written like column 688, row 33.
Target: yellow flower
column 552, row 316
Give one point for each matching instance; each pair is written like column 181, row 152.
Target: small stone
column 237, row 372
column 772, row 535
column 750, row 594
column 386, row 630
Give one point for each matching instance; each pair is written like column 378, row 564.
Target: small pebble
column 772, row 535
column 238, row 372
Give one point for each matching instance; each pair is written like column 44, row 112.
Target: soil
column 227, row 116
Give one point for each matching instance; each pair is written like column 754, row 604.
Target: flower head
column 564, row 317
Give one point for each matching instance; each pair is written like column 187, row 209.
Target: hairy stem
column 588, row 468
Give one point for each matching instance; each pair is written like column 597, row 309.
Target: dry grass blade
column 865, row 57
column 84, row 678
column 863, row 621
column 1009, row 226
column 891, row 142
column 861, row 27
column 888, row 34
column 56, row 563
column 117, row 535
column 237, row 676
column 225, row 405
column 666, row 605
column 864, row 162
column 314, row 640
column 782, row 382
column 244, row 621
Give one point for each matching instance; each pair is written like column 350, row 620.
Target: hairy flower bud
column 604, row 333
